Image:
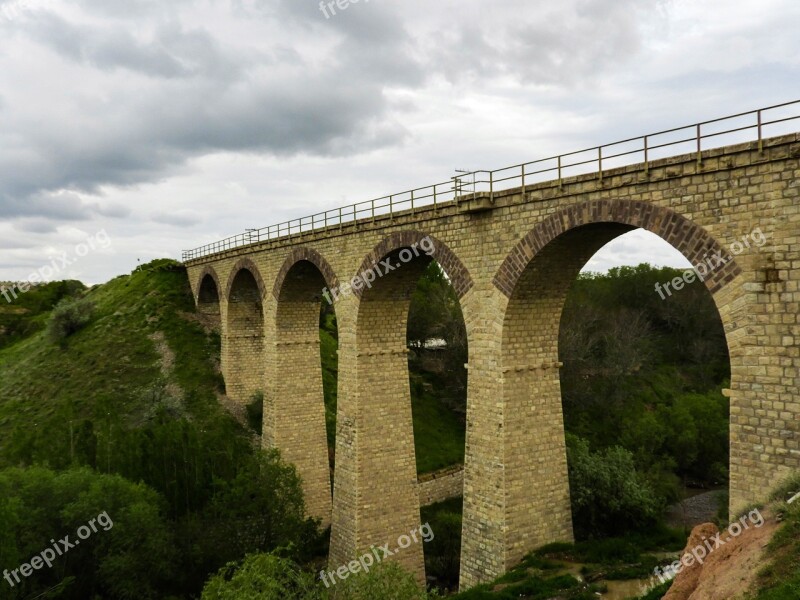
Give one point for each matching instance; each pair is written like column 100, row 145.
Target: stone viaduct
column 511, row 256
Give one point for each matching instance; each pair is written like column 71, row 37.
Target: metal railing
column 723, row 131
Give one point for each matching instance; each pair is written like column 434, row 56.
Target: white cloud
column 171, row 124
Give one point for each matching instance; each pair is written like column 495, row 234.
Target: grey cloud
column 113, row 210
column 65, row 207
column 212, row 99
column 169, row 53
column 178, row 219
column 7, row 242
column 35, row 225
column 128, row 9
column 565, row 43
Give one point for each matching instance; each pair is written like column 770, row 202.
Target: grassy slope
column 27, row 313
column 780, row 577
column 439, row 434
column 113, row 363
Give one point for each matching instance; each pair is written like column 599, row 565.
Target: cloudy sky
column 170, row 124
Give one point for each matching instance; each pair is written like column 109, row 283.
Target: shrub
column 387, row 581
column 160, row 265
column 443, row 553
column 262, row 577
column 609, row 495
column 259, row 510
column 69, row 316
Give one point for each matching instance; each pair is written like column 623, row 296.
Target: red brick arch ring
column 308, row 254
column 208, row 271
column 447, row 259
column 689, row 239
column 245, row 263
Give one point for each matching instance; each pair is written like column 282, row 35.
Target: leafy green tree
column 68, row 317
column 387, row 580
column 435, row 314
column 28, row 311
column 259, row 510
column 609, row 495
column 131, row 555
column 262, row 577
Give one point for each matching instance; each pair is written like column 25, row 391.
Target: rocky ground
column 695, row 510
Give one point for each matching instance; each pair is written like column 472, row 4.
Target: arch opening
column 299, row 416
column 438, row 353
column 208, row 301
column 587, row 355
column 243, row 365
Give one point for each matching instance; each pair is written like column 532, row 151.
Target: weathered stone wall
column 511, row 267
column 441, row 485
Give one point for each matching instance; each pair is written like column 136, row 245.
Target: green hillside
column 143, row 350
column 27, row 313
column 134, row 397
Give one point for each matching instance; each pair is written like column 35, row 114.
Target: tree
column 259, row 510
column 129, row 556
column 262, row 577
column 387, row 581
column 609, row 496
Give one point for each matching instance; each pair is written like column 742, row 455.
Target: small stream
column 617, row 589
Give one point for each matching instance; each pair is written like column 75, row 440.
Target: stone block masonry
column 441, row 485
column 511, row 266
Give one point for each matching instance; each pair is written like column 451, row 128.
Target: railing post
column 600, row 162
column 559, row 172
column 459, row 183
column 699, row 147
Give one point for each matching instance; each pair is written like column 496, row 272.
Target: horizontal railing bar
column 610, row 156
column 728, row 131
column 765, row 123
column 468, row 183
column 667, row 144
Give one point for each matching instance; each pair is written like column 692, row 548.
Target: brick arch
column 245, row 263
column 308, row 254
column 460, row 278
column 689, row 239
column 208, row 270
